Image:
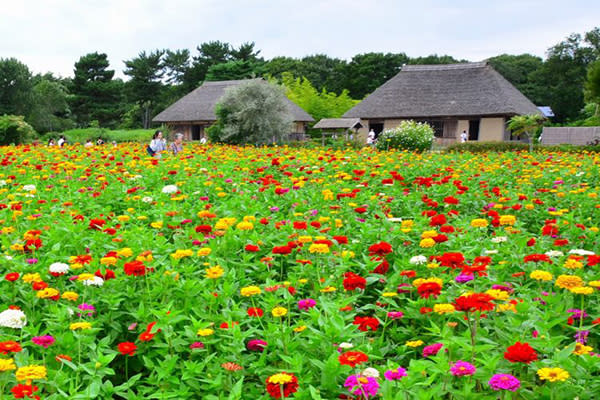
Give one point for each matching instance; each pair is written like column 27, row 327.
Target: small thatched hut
column 195, row 112
column 452, row 98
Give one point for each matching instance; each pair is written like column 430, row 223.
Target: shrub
column 14, row 129
column 484, row 147
column 409, row 135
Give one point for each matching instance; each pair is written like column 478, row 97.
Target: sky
column 51, row 35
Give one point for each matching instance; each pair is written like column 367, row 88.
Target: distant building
column 195, row 112
column 452, row 98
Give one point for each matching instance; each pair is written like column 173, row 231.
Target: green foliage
column 144, row 87
column 525, row 125
column 318, row 104
column 366, row 72
column 409, row 135
column 232, row 70
column 50, row 110
column 96, row 96
column 592, row 84
column 255, row 112
column 521, row 70
column 14, row 130
column 15, row 87
column 118, row 135
column 500, row 147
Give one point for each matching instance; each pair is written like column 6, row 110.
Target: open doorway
column 377, row 128
column 196, row 132
column 474, row 129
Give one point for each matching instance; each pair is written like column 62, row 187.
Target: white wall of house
column 491, row 129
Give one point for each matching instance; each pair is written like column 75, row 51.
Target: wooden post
column 322, row 138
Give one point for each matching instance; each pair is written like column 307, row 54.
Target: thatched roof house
column 195, row 112
column 453, row 98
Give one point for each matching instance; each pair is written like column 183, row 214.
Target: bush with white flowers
column 409, row 135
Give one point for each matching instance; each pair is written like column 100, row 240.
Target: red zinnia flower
column 474, row 302
column 537, row 258
column 127, row 348
column 520, row 352
column 255, row 312
column 380, row 249
column 252, row 248
column 282, row 250
column 341, row 239
column 20, row 391
column 11, row 276
column 204, row 229
column 366, row 323
column 10, row 347
column 96, row 224
column 353, row 281
column 429, row 289
column 300, row 225
column 136, row 268
column 147, row 335
column 282, row 382
column 352, row 358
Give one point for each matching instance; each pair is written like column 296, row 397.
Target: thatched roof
column 471, row 89
column 339, row 123
column 199, row 105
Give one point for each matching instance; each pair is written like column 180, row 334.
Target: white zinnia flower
column 370, row 372
column 395, row 219
column 554, row 253
column 147, row 199
column 170, row 189
column 345, row 345
column 95, row 281
column 491, row 252
column 581, row 252
column 2, row 182
column 13, row 319
column 499, row 239
column 29, row 188
column 59, row 268
column 418, row 260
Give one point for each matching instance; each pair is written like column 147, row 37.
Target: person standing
column 62, row 141
column 177, row 146
column 464, row 136
column 157, row 145
column 371, row 138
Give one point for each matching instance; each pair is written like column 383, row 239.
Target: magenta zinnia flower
column 504, row 382
column 306, row 304
column 432, row 350
column 462, row 368
column 395, row 314
column 44, row 341
column 395, row 374
column 362, row 385
column 87, row 308
column 256, row 345
column 197, row 345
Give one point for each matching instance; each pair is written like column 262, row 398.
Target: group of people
column 158, row 144
column 99, row 142
column 60, row 143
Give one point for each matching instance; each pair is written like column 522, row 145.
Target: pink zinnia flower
column 395, row 314
column 256, row 345
column 504, row 382
column 306, row 304
column 44, row 341
column 395, row 374
column 432, row 350
column 461, row 368
column 362, row 385
column 197, row 345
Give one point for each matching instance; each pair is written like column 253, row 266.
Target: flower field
column 256, row 273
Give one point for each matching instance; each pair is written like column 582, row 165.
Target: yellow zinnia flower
column 31, row 372
column 540, row 275
column 553, row 374
column 427, row 242
column 279, row 311
column 413, row 343
column 80, row 325
column 7, row 364
column 479, row 223
column 72, row 296
column 47, row 293
column 319, row 248
column 507, row 220
column 205, row 332
column 568, row 281
column 214, row 272
column 443, row 308
column 582, row 290
column 250, row 291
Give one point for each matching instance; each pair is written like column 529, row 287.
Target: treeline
column 324, row 86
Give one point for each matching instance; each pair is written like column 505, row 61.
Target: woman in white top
column 158, row 144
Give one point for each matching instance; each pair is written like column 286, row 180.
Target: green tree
column 366, row 72
column 50, row 110
column 14, row 129
column 521, row 71
column 435, row 59
column 276, row 66
column 15, row 87
column 323, row 72
column 592, row 85
column 318, row 104
column 176, row 63
column 144, row 88
column 209, row 54
column 95, row 94
column 525, row 125
column 238, row 69
column 253, row 112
